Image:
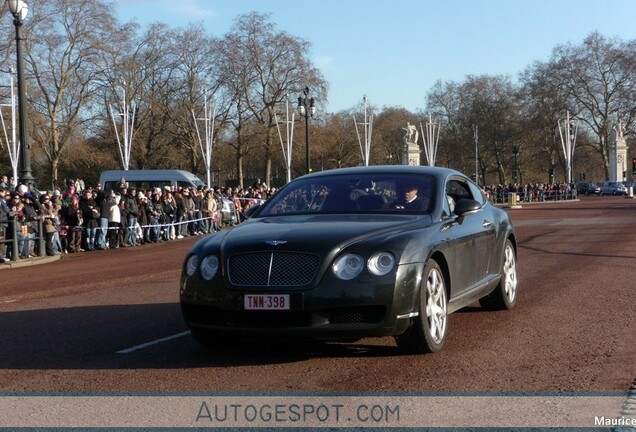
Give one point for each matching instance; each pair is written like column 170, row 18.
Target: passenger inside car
column 411, row 197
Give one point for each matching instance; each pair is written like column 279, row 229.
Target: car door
column 474, row 238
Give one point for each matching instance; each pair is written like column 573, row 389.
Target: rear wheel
column 428, row 331
column 505, row 295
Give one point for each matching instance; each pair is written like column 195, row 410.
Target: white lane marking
column 154, row 342
column 10, row 301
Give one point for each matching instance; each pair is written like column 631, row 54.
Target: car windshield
column 353, row 194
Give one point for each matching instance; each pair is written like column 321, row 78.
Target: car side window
column 478, row 195
column 449, row 205
column 457, row 190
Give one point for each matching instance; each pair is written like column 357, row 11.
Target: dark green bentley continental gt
column 352, row 253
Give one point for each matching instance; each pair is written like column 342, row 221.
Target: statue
column 617, row 136
column 411, row 155
column 617, row 153
column 411, row 136
column 620, row 134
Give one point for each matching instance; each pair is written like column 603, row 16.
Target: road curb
column 27, row 262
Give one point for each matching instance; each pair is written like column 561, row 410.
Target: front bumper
column 333, row 309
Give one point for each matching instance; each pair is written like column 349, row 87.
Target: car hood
column 320, row 234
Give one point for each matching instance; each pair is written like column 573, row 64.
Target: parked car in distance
column 629, row 184
column 228, row 212
column 613, row 188
column 352, row 253
column 587, row 188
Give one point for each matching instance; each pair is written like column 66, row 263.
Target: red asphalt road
column 66, row 324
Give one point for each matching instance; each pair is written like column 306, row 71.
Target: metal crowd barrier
column 11, row 241
column 516, row 197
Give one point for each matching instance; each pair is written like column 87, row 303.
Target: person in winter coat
column 208, row 211
column 48, row 223
column 4, row 220
column 114, row 221
column 131, row 210
column 154, row 210
column 169, row 216
column 31, row 216
column 185, row 208
column 90, row 216
column 104, row 209
column 72, row 218
column 142, row 219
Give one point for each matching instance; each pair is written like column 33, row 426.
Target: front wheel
column 428, row 331
column 505, row 295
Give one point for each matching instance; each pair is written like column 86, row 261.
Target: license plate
column 266, row 302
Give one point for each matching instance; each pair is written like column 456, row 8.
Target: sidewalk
column 29, row 262
column 520, row 204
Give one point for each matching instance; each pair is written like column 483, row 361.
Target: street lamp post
column 306, row 108
column 515, row 172
column 19, row 9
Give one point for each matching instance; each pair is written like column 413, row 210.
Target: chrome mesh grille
column 273, row 269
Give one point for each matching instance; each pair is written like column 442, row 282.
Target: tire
column 505, row 294
column 427, row 333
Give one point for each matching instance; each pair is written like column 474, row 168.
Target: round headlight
column 209, row 267
column 191, row 265
column 381, row 263
column 348, row 266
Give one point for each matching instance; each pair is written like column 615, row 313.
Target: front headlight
column 381, row 263
column 209, row 267
column 191, row 265
column 348, row 266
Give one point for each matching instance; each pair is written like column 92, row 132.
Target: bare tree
column 599, row 80
column 336, row 141
column 195, row 74
column 238, row 78
column 66, row 37
column 144, row 68
column 278, row 65
column 491, row 104
column 543, row 105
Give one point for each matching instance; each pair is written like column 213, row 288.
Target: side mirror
column 466, row 206
column 248, row 212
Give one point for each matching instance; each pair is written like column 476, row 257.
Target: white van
column 148, row 179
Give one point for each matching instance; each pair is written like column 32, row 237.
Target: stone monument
column 617, row 154
column 411, row 154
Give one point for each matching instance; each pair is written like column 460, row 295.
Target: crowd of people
column 531, row 192
column 79, row 218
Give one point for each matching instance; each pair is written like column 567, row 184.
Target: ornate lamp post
column 306, row 108
column 19, row 9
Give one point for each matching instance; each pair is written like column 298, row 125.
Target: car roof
column 388, row 169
